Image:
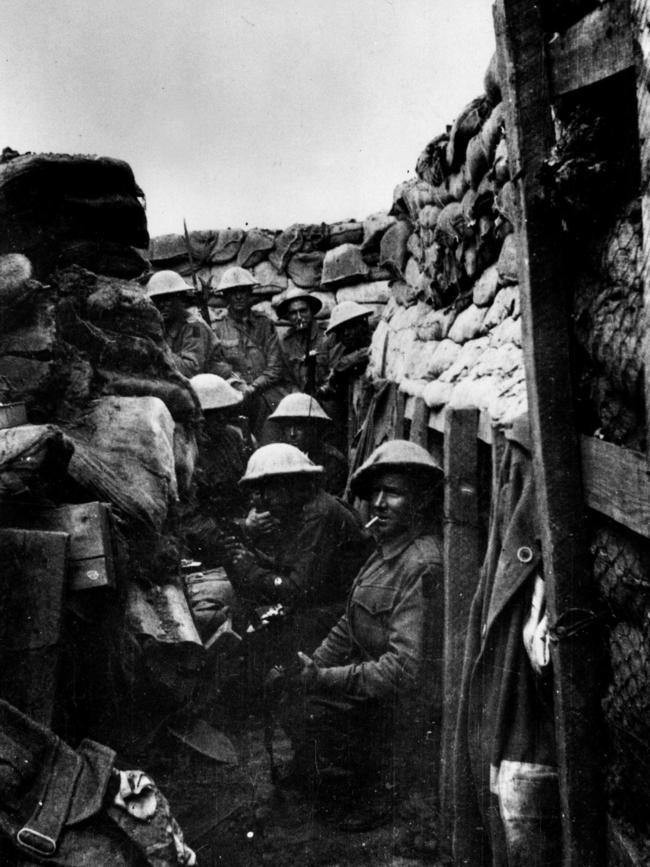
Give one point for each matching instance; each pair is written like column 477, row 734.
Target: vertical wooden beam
column 400, row 405
column 640, row 10
column 545, row 323
column 461, row 566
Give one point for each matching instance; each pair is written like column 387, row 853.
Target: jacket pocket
column 370, row 613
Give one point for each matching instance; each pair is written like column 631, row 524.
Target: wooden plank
column 32, row 586
column 640, row 10
column 461, row 564
column 497, row 448
column 400, row 407
column 89, row 526
column 598, row 46
column 556, row 458
column 617, row 483
column 420, row 423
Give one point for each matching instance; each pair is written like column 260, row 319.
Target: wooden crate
column 89, row 526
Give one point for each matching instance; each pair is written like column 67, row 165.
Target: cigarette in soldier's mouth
column 371, row 522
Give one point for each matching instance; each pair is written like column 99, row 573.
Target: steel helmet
column 399, row 456
column 278, row 459
column 344, row 312
column 300, row 405
column 235, row 277
column 295, row 294
column 166, row 283
column 214, row 392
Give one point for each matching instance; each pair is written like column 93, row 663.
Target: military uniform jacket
column 294, row 347
column 252, row 349
column 376, row 648
column 315, row 559
column 195, row 348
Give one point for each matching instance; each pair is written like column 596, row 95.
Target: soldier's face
column 238, row 300
column 171, row 307
column 299, row 315
column 297, row 433
column 392, row 502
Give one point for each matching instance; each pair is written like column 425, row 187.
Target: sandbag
column 502, row 307
column 431, row 165
column 305, row 269
column 410, row 197
column 507, row 264
column 418, row 361
column 467, row 324
column 345, row 232
column 266, row 308
column 270, row 279
column 486, row 287
column 255, row 247
column 167, row 250
column 428, row 216
column 286, row 244
column 414, row 246
column 404, row 293
column 466, row 359
column 476, row 161
column 343, row 264
column 457, row 184
column 374, row 227
column 466, row 125
column 366, row 293
column 507, row 331
column 444, row 355
column 435, row 324
column 436, row 393
column 124, row 453
column 491, row 132
column 225, row 246
column 392, row 249
column 412, row 274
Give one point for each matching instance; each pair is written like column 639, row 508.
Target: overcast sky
column 235, row 112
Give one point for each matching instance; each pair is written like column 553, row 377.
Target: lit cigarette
column 371, row 522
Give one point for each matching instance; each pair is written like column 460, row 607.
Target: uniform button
column 524, row 554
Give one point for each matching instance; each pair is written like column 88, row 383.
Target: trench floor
column 234, row 815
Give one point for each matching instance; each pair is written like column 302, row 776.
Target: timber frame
column 573, row 474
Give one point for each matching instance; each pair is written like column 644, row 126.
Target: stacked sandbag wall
column 451, row 332
column 335, row 262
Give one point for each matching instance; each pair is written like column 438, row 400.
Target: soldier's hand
column 261, row 523
column 308, row 674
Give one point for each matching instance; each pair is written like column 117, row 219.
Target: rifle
column 201, row 293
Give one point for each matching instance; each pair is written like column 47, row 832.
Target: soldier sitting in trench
column 300, row 421
column 355, row 721
column 306, row 560
column 194, row 347
column 305, row 347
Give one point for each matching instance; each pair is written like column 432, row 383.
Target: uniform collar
column 395, row 546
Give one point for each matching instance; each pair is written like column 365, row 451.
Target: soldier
column 314, row 550
column 304, row 347
column 363, row 680
column 345, row 398
column 302, row 422
column 250, row 345
column 216, row 498
column 191, row 340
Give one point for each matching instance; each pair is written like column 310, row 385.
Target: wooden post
column 461, row 563
column 640, row 10
column 524, row 80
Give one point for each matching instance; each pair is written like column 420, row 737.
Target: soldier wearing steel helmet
column 305, row 347
column 312, row 553
column 250, row 345
column 191, row 340
column 216, row 497
column 301, row 421
column 362, row 680
column 349, row 354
